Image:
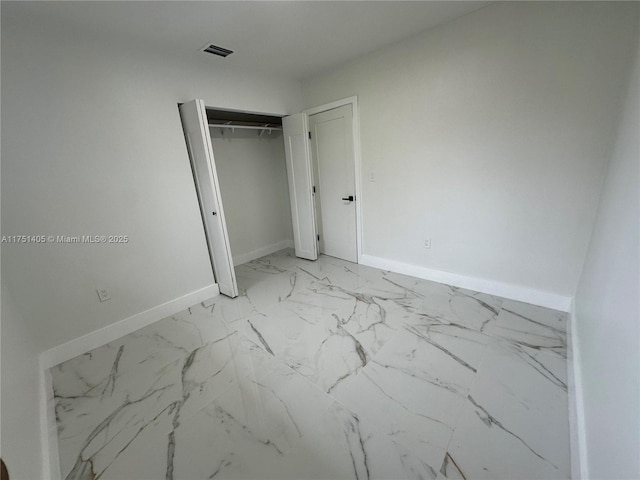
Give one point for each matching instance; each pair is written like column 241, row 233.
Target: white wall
column 253, row 183
column 92, row 144
column 488, row 134
column 19, row 416
column 607, row 307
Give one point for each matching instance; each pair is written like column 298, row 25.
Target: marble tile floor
column 323, row 370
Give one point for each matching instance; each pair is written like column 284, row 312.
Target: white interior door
column 296, row 149
column 333, row 155
column 196, row 131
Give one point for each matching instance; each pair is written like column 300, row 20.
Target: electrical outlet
column 103, row 294
column 427, row 242
column 372, row 176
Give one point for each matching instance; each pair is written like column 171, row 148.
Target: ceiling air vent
column 216, row 50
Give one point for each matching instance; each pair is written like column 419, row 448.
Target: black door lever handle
column 350, row 198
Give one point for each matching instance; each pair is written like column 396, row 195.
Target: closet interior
column 249, row 155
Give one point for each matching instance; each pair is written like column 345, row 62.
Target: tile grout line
column 460, row 411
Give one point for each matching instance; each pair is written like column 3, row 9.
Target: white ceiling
column 294, row 38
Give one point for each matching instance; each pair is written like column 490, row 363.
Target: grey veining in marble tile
column 450, row 470
column 514, row 423
column 99, row 432
column 323, row 370
column 534, row 328
column 457, row 306
column 466, row 346
column 419, row 387
column 317, row 346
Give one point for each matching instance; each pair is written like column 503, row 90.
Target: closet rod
column 247, row 127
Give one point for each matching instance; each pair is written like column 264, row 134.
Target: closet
column 249, row 156
column 238, row 164
column 267, row 182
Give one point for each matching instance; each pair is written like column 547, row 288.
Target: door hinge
column 309, row 135
column 314, row 189
column 318, row 237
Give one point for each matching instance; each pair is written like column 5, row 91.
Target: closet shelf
column 264, row 128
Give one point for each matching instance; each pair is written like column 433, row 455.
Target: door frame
column 213, row 160
column 353, row 101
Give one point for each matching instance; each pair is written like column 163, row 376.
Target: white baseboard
column 513, row 292
column 102, row 336
column 262, row 251
column 48, row 429
column 577, row 432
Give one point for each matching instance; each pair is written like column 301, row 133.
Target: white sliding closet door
column 196, row 131
column 296, row 148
